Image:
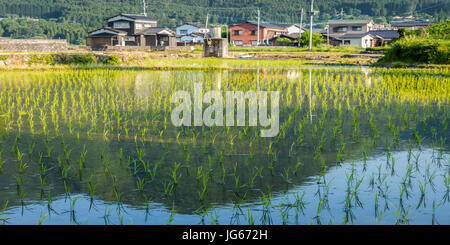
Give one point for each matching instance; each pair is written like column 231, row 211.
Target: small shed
column 363, row 40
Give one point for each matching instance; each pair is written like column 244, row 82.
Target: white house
column 191, row 33
column 363, row 40
column 293, row 28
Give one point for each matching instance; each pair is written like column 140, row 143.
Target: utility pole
column 257, row 42
column 145, row 7
column 301, row 19
column 311, row 25
column 226, row 27
column 301, row 26
column 206, row 26
column 328, row 34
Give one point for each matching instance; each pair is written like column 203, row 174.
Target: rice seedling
column 42, row 218
column 60, row 116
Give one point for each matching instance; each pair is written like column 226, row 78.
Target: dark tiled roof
column 265, row 25
column 287, row 25
column 198, row 25
column 109, row 29
column 410, row 23
column 349, row 22
column 290, row 36
column 262, row 24
column 385, row 34
column 135, row 17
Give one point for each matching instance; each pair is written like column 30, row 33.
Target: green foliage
column 75, row 33
column 419, row 50
column 41, row 59
column 427, row 46
column 317, row 39
column 71, row 20
column 4, row 57
column 283, row 41
column 377, row 49
column 73, row 59
column 440, row 30
column 112, row 60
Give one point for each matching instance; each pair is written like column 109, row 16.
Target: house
column 192, row 33
column 410, row 25
column 374, row 38
column 246, row 34
column 363, row 40
column 131, row 30
column 384, row 37
column 293, row 28
column 338, row 28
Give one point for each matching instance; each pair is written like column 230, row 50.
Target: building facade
column 191, row 33
column 338, row 28
column 131, row 30
column 246, row 34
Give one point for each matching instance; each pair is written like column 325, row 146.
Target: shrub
column 112, row 60
column 85, row 59
column 283, row 41
column 41, row 59
column 420, row 50
column 317, row 39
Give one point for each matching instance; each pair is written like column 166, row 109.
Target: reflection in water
column 76, row 145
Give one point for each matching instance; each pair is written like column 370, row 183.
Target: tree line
column 75, row 17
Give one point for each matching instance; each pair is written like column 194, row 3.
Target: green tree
column 317, row 39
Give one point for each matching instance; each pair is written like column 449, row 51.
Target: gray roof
column 109, row 29
column 385, row 34
column 154, row 31
column 354, row 35
column 410, row 23
column 198, row 25
column 135, row 17
column 288, row 25
column 349, row 22
column 263, row 24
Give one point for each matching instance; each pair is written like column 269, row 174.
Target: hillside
column 78, row 16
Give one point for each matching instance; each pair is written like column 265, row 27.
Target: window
column 238, row 42
column 121, row 25
column 147, row 25
column 356, row 28
column 183, row 32
column 340, row 29
column 346, row 42
column 138, row 26
column 254, row 33
column 238, row 32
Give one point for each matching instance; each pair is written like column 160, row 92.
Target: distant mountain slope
column 173, row 12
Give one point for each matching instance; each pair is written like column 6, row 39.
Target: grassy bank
column 431, row 46
column 289, row 49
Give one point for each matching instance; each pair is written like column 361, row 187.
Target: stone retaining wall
column 143, row 48
column 32, row 45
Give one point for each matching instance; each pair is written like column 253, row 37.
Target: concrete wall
column 32, row 45
column 363, row 42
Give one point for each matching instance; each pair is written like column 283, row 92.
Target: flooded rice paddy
column 355, row 146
